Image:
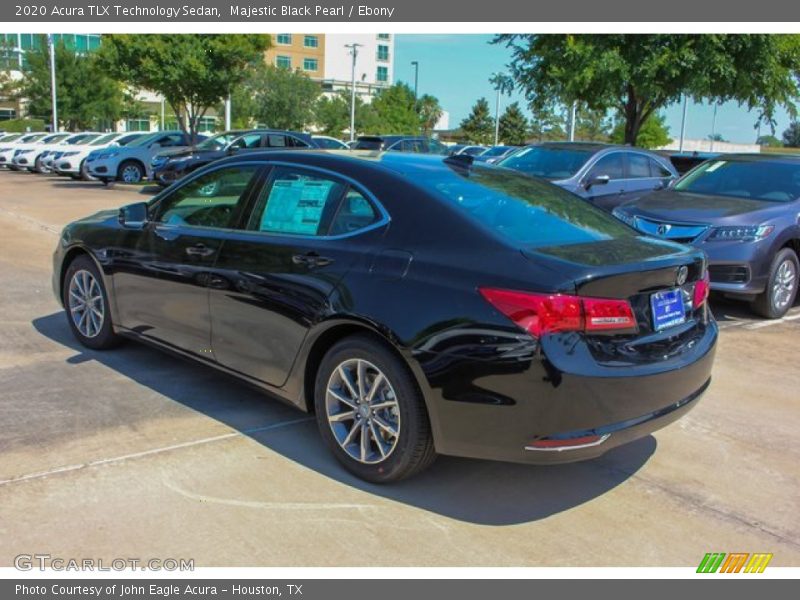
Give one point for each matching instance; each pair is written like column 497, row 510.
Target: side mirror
column 233, row 149
column 597, row 180
column 133, row 216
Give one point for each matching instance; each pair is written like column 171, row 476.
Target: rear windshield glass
column 368, row 144
column 218, row 142
column 547, row 162
column 756, row 180
column 497, row 151
column 529, row 212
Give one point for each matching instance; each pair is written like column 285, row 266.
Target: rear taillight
column 547, row 313
column 701, row 289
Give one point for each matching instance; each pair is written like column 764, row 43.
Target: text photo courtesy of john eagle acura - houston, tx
column 529, row 284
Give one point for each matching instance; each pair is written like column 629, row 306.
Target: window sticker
column 295, row 207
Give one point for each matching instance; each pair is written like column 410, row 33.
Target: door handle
column 311, row 260
column 199, row 250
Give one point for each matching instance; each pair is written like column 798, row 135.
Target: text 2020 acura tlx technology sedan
column 416, row 304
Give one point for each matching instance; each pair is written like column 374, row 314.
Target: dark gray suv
column 744, row 212
column 604, row 174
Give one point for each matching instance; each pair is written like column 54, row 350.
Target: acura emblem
column 663, row 229
column 683, row 273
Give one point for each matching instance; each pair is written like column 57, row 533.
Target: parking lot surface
column 134, row 453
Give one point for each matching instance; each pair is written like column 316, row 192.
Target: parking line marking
column 134, row 455
column 773, row 322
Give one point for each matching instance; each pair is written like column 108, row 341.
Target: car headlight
column 26, row 151
column 111, row 154
column 623, row 216
column 742, row 233
column 69, row 153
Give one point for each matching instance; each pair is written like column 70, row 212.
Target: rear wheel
column 370, row 412
column 39, row 167
column 130, row 172
column 86, row 303
column 781, row 290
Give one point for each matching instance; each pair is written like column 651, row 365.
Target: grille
column 729, row 273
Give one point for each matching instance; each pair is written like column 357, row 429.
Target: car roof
column 774, row 157
column 587, row 146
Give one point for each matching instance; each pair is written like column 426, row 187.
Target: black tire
column 84, row 173
column 765, row 304
column 38, row 168
column 413, row 449
column 105, row 337
column 130, row 166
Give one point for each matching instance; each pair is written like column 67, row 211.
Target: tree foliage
column 429, row 112
column 513, row 126
column 392, row 110
column 279, row 98
column 653, row 133
column 770, row 141
column 86, row 94
column 478, row 126
column 547, row 124
column 592, row 125
column 791, row 136
column 193, row 72
column 640, row 74
column 332, row 114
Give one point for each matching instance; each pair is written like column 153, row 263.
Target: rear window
column 529, row 212
column 547, row 162
column 757, row 180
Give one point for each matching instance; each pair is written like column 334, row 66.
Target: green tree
column 653, row 133
column 592, row 125
column 547, row 124
column 392, row 110
column 513, row 125
column 279, row 98
column 791, row 136
column 86, row 94
column 478, row 127
column 429, row 111
column 770, row 141
column 332, row 114
column 641, row 74
column 193, row 72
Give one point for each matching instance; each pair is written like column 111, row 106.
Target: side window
column 297, row 203
column 169, row 141
column 355, row 213
column 659, row 170
column 252, row 140
column 638, row 166
column 611, row 165
column 296, row 142
column 209, row 200
column 276, row 140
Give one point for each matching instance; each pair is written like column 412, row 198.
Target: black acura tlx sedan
column 415, row 304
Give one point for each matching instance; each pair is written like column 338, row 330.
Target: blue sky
column 456, row 69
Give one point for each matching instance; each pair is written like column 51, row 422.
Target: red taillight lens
column 701, row 290
column 546, row 313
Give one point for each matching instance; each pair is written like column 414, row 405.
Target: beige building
column 303, row 51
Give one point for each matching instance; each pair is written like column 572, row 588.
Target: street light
column 53, row 95
column 354, row 52
column 683, row 122
column 713, row 127
column 503, row 84
column 415, row 64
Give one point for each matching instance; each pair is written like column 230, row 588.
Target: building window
column 310, row 64
column 285, row 39
column 383, row 36
column 283, row 62
column 382, row 75
column 311, row 41
column 140, row 124
column 207, row 124
column 383, row 52
column 7, row 113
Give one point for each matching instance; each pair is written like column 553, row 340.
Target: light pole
column 572, row 116
column 354, row 52
column 503, row 85
column 683, row 122
column 415, row 64
column 713, row 127
column 53, row 93
column 228, row 113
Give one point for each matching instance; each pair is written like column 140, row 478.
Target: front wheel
column 781, row 290
column 130, row 172
column 86, row 302
column 370, row 412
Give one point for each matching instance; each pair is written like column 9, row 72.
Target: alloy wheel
column 363, row 411
column 86, row 305
column 131, row 174
column 784, row 284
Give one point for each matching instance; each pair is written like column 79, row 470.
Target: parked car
column 25, row 142
column 742, row 210
column 604, row 174
column 467, row 149
column 542, row 329
column 131, row 163
column 168, row 167
column 39, row 160
column 686, row 161
column 329, row 143
column 71, row 161
column 495, row 154
column 400, row 143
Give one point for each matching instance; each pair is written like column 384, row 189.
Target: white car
column 24, row 141
column 32, row 158
column 131, row 163
column 71, row 162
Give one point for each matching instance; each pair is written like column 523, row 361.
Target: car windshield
column 83, row 138
column 496, row 151
column 53, row 139
column 218, row 142
column 529, row 212
column 32, row 138
column 126, row 140
column 11, row 138
column 547, row 162
column 773, row 181
column 146, row 139
column 106, row 139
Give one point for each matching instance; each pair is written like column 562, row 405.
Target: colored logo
column 736, row 562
